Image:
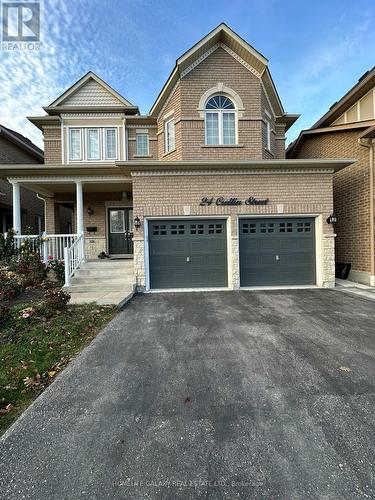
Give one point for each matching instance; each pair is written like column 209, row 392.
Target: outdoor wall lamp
column 137, row 223
column 332, row 219
column 90, row 211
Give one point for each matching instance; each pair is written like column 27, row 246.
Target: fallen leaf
column 345, row 369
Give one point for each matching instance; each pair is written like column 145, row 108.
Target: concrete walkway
column 364, row 291
column 250, row 395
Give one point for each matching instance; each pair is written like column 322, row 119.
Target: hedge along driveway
column 208, row 395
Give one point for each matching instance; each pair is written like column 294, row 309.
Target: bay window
column 75, row 144
column 93, row 152
column 93, row 144
column 110, row 144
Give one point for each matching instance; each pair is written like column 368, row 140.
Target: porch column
column 79, row 204
column 17, row 208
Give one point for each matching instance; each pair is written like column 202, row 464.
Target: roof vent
column 333, row 105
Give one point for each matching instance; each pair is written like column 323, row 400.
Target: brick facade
column 155, row 196
column 351, row 195
column 189, row 122
column 31, row 206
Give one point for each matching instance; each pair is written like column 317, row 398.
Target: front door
column 120, row 231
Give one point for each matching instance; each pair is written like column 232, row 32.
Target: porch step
column 104, row 282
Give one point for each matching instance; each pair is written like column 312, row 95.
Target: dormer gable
column 88, row 93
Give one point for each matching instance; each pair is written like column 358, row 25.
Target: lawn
column 34, row 349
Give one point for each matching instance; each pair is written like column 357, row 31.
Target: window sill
column 169, row 152
column 142, row 156
column 222, row 146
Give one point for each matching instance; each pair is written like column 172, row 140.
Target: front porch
column 88, row 223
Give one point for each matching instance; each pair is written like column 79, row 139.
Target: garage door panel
column 277, row 251
column 193, row 253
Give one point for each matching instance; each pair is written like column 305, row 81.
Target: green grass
column 38, row 348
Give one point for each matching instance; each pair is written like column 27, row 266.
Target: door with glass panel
column 120, row 231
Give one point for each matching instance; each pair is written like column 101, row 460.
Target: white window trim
column 87, row 144
column 70, row 144
column 268, row 136
column 136, row 143
column 166, row 148
column 84, row 144
column 105, row 129
column 220, row 113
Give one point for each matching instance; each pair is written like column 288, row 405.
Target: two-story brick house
column 15, row 148
column 347, row 129
column 199, row 190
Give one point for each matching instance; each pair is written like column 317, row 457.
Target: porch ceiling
column 49, row 189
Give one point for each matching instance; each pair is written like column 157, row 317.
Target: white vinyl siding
column 75, row 144
column 169, row 133
column 93, row 146
column 142, row 144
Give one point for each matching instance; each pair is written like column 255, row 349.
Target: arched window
column 220, row 120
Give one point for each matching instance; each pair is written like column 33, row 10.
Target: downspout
column 370, row 145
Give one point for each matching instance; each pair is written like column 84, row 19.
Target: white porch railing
column 74, row 255
column 51, row 245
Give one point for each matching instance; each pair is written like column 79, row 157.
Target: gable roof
column 324, row 125
column 222, row 34
column 22, row 142
column 364, row 84
column 78, row 95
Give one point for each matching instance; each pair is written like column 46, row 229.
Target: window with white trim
column 220, row 121
column 110, row 143
column 268, row 135
column 93, row 145
column 169, row 134
column 142, row 143
column 75, row 144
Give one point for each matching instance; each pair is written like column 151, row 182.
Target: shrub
column 55, row 299
column 5, row 314
column 32, row 271
column 10, row 285
column 58, row 268
column 7, row 248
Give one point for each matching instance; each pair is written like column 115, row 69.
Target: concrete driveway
column 209, row 395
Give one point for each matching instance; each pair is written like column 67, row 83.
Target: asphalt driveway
column 208, row 395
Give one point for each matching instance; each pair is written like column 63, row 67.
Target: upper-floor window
column 93, row 144
column 268, row 135
column 110, row 143
column 75, row 144
column 169, row 134
column 220, row 121
column 142, row 144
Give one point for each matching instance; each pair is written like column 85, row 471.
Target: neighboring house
column 199, row 190
column 15, row 148
column 348, row 130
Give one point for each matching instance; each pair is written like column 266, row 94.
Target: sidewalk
column 351, row 287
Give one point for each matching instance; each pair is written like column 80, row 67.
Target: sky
column 317, row 50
